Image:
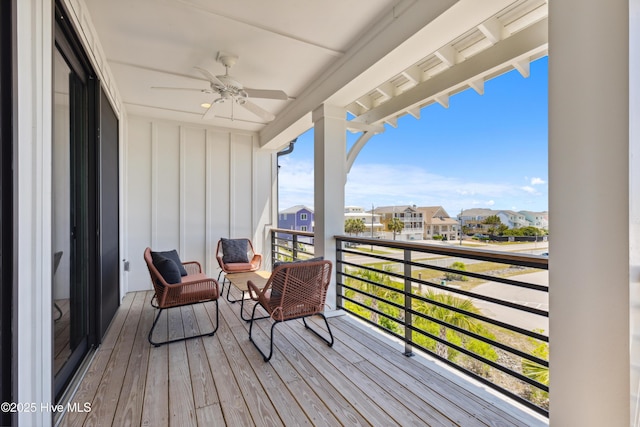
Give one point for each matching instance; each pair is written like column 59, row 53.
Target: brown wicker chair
column 195, row 288
column 295, row 290
column 254, row 262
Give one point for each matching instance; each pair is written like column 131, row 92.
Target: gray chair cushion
column 173, row 256
column 235, row 250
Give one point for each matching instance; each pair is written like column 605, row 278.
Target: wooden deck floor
column 222, row 380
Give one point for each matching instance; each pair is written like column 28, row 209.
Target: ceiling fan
column 230, row 90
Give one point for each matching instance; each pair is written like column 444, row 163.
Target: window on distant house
column 303, row 228
column 303, row 216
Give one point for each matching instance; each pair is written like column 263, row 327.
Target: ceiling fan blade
column 266, row 94
column 210, row 113
column 192, row 89
column 209, row 76
column 258, row 111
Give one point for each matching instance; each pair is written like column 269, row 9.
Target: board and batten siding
column 188, row 186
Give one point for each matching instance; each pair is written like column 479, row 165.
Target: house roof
column 392, row 209
column 433, row 211
column 478, row 212
column 296, row 209
column 440, row 221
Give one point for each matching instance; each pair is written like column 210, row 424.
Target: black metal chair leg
column 209, row 334
column 329, row 342
column 242, row 311
column 59, row 316
column 264, row 356
column 222, row 285
column 232, row 301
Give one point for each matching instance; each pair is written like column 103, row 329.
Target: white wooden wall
column 186, row 186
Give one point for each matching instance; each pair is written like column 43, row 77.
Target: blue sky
column 484, row 151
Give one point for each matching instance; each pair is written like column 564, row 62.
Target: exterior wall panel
column 187, row 187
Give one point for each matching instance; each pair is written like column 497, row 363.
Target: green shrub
column 453, row 276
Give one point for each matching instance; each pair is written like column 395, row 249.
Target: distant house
column 410, row 217
column 512, row 219
column 373, row 226
column 299, row 218
column 437, row 222
column 537, row 219
column 474, row 218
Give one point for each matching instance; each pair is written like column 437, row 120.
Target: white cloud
column 537, row 181
column 384, row 185
column 295, row 180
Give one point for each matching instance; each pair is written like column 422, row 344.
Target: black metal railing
column 473, row 309
column 291, row 245
column 476, row 310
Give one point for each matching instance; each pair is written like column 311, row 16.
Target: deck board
column 222, row 380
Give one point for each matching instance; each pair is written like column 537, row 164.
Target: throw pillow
column 234, row 250
column 173, row 256
column 167, row 268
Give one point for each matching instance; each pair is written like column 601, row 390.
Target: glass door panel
column 69, row 216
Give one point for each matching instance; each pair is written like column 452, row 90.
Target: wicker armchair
column 194, row 288
column 295, row 290
column 252, row 261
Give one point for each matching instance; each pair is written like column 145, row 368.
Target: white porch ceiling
column 378, row 59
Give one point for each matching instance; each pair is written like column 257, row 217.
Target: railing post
column 408, row 348
column 338, row 276
column 294, row 243
column 273, row 248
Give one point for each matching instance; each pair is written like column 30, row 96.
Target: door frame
column 8, row 280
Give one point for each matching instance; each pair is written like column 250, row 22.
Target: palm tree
column 382, row 293
column 354, row 225
column 452, row 317
column 493, row 221
column 395, row 225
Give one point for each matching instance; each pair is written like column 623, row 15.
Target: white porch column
column 634, row 202
column 330, row 147
column 589, row 213
column 33, row 121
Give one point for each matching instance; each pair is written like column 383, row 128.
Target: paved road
column 521, row 296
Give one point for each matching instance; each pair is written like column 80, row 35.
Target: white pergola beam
column 443, row 100
column 413, row 74
column 528, row 43
column 492, row 29
column 448, row 55
column 363, row 127
column 415, row 112
column 523, row 67
column 387, row 89
column 478, row 86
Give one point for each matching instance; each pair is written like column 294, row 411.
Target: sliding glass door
column 72, row 240
column 85, row 232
